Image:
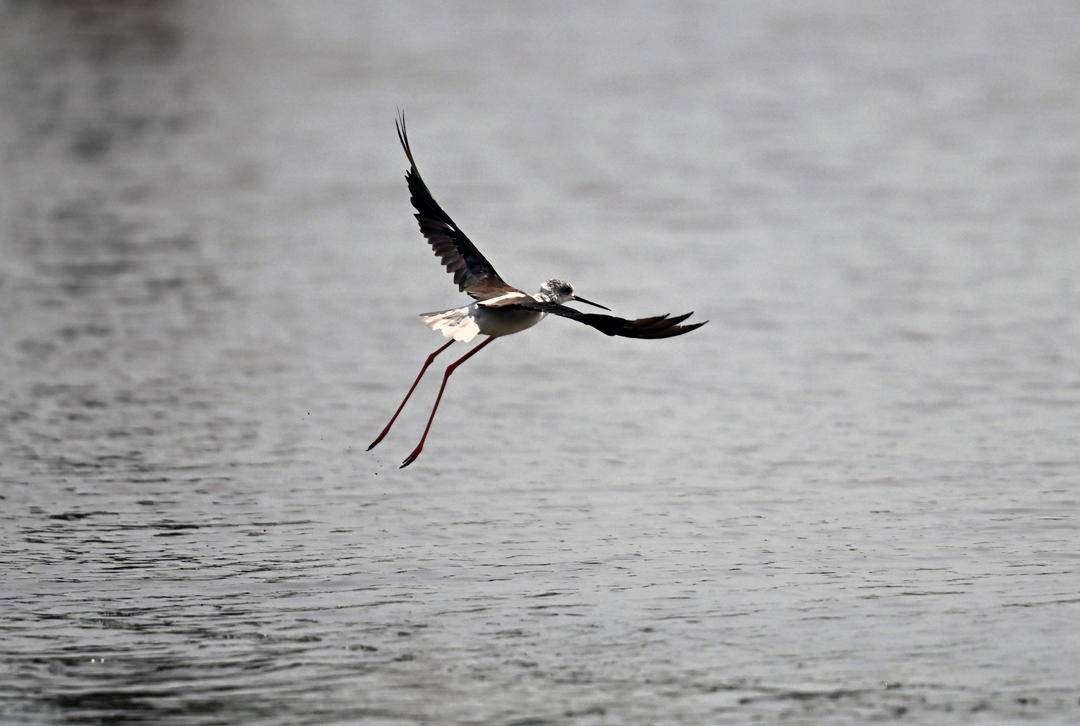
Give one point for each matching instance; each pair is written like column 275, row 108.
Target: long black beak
column 590, row 302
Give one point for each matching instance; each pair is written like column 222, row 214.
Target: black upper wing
column 660, row 326
column 472, row 272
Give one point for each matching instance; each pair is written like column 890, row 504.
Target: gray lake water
column 852, row 496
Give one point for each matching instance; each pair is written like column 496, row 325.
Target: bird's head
column 560, row 291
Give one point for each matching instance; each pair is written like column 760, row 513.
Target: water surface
column 852, row 496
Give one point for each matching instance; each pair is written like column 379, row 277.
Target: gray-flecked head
column 556, row 291
column 560, row 291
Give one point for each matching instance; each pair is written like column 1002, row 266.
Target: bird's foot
column 411, row 457
column 380, row 437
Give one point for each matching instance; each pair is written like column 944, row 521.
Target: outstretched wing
column 660, row 326
column 472, row 272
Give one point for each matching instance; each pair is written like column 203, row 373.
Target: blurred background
column 852, row 496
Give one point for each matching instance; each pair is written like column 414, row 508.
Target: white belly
column 505, row 322
column 466, row 323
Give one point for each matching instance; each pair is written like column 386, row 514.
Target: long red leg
column 446, row 376
column 412, row 388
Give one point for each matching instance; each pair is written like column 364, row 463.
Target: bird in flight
column 498, row 308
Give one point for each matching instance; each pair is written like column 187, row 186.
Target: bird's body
column 464, row 324
column 483, row 317
column 503, row 314
column 498, row 309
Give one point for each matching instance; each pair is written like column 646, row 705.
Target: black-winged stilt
column 499, row 309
